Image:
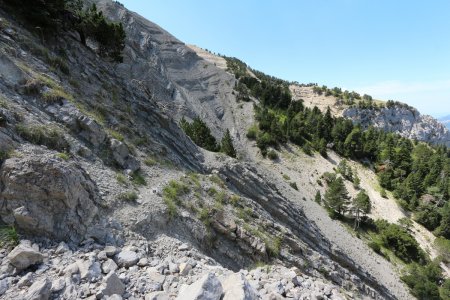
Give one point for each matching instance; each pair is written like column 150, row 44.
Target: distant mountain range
column 445, row 120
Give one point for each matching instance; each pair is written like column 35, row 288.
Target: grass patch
column 8, row 237
column 63, row 155
column 46, row 135
column 3, row 102
column 217, row 180
column 117, row 135
column 130, row 196
column 150, row 161
column 56, row 94
column 234, row 200
column 171, row 193
column 122, row 179
column 286, row 177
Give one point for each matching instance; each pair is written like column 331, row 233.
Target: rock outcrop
column 404, row 120
column 46, row 196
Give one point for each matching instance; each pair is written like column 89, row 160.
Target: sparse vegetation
column 138, row 179
column 46, row 135
column 129, row 196
column 63, row 155
column 8, row 237
column 171, row 195
column 122, row 179
column 272, row 154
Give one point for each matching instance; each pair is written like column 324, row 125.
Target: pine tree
column 336, row 196
column 227, row 145
column 361, row 205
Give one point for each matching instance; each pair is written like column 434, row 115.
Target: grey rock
column 157, row 296
column 4, row 286
column 113, row 285
column 126, row 258
column 62, row 248
column 59, row 196
column 58, row 285
column 40, row 290
column 89, row 269
column 236, row 287
column 26, row 280
column 109, row 266
column 72, row 269
column 123, row 157
column 143, row 262
column 206, row 288
column 23, row 256
column 111, row 250
column 185, row 268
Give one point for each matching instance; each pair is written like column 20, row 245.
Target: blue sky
column 390, row 49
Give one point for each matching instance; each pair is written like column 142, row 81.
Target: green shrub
column 375, row 247
column 286, row 177
column 46, row 135
column 272, row 155
column 129, row 196
column 252, row 132
column 399, row 241
column 138, row 179
column 423, row 281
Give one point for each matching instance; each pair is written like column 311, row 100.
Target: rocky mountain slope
column 402, row 119
column 92, row 156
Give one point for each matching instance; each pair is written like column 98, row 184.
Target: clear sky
column 390, row 49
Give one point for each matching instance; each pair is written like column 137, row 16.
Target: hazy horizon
column 388, row 49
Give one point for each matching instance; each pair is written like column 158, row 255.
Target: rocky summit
column 134, row 166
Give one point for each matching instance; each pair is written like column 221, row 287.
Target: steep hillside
column 102, row 193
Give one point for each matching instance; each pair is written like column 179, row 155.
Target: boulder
column 126, row 258
column 110, row 251
column 109, row 266
column 113, row 285
column 89, row 269
column 236, row 287
column 157, row 296
column 206, row 288
column 44, row 196
column 24, row 256
column 123, row 157
column 40, row 290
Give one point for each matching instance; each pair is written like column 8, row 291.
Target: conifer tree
column 336, row 196
column 361, row 205
column 227, row 145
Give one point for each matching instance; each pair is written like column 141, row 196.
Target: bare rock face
column 406, row 121
column 45, row 196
